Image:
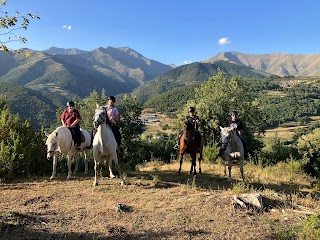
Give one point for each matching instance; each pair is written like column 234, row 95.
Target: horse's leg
column 193, row 163
column 69, row 162
column 96, row 157
column 241, row 167
column 230, row 161
column 85, row 156
column 54, row 165
column 225, row 165
column 181, row 157
column 115, row 159
column 76, row 159
column 200, row 159
column 110, row 159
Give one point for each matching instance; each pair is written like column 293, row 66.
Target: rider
column 114, row 118
column 195, row 121
column 70, row 118
column 235, row 122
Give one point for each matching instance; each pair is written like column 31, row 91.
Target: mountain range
column 281, row 64
column 56, row 75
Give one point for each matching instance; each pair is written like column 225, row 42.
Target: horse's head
column 52, row 144
column 226, row 135
column 100, row 116
column 189, row 130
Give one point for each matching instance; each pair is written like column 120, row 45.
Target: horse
column 104, row 143
column 188, row 145
column 60, row 140
column 234, row 149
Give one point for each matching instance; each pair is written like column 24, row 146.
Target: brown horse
column 188, row 145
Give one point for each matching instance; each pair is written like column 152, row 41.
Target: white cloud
column 224, row 41
column 67, row 27
column 186, row 62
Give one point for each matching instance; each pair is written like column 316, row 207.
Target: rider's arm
column 78, row 118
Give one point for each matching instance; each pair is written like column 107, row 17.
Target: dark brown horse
column 188, row 145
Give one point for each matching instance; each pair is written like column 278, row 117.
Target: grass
column 164, row 205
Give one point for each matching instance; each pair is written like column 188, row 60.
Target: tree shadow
column 17, row 226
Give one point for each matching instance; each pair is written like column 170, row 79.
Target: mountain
column 280, row 64
column 63, row 51
column 63, row 76
column 191, row 74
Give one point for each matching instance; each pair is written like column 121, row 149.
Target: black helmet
column 70, row 103
column 191, row 109
column 112, row 98
column 234, row 113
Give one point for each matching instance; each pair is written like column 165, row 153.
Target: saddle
column 73, row 134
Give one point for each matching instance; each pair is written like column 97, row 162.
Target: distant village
column 150, row 118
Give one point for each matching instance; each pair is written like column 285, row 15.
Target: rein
column 103, row 119
column 225, row 144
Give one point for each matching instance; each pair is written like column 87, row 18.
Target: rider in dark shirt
column 235, row 122
column 195, row 121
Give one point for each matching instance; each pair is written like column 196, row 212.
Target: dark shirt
column 70, row 117
column 238, row 122
column 195, row 121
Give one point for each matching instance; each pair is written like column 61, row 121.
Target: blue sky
column 175, row 31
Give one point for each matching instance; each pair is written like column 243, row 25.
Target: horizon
column 172, row 33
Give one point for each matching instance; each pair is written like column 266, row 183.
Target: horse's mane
column 108, row 122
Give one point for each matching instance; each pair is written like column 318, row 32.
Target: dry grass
column 162, row 206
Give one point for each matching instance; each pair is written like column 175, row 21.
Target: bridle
column 101, row 119
column 225, row 144
column 189, row 127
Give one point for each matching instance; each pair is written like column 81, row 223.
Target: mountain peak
column 63, row 51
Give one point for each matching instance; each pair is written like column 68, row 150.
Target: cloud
column 224, row 41
column 67, row 27
column 186, row 62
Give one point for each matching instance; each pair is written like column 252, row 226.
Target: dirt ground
column 155, row 204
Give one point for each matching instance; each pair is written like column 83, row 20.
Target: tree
column 308, row 146
column 11, row 23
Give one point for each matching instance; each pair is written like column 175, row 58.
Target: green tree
column 11, row 23
column 308, row 146
column 22, row 149
column 131, row 128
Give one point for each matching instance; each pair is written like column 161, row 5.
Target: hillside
column 117, row 70
column 29, row 104
column 280, row 64
column 193, row 73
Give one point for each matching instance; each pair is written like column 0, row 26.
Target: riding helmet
column 192, row 109
column 112, row 98
column 234, row 113
column 70, row 103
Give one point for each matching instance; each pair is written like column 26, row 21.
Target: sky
column 172, row 31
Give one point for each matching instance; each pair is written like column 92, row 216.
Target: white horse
column 234, row 149
column 60, row 140
column 104, row 144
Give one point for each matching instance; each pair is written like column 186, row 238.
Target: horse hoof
column 123, row 183
column 95, row 184
column 51, row 178
column 178, row 173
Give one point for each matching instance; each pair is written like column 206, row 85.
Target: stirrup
column 176, row 146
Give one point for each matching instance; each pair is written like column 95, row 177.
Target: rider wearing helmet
column 70, row 118
column 114, row 118
column 195, row 121
column 238, row 126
